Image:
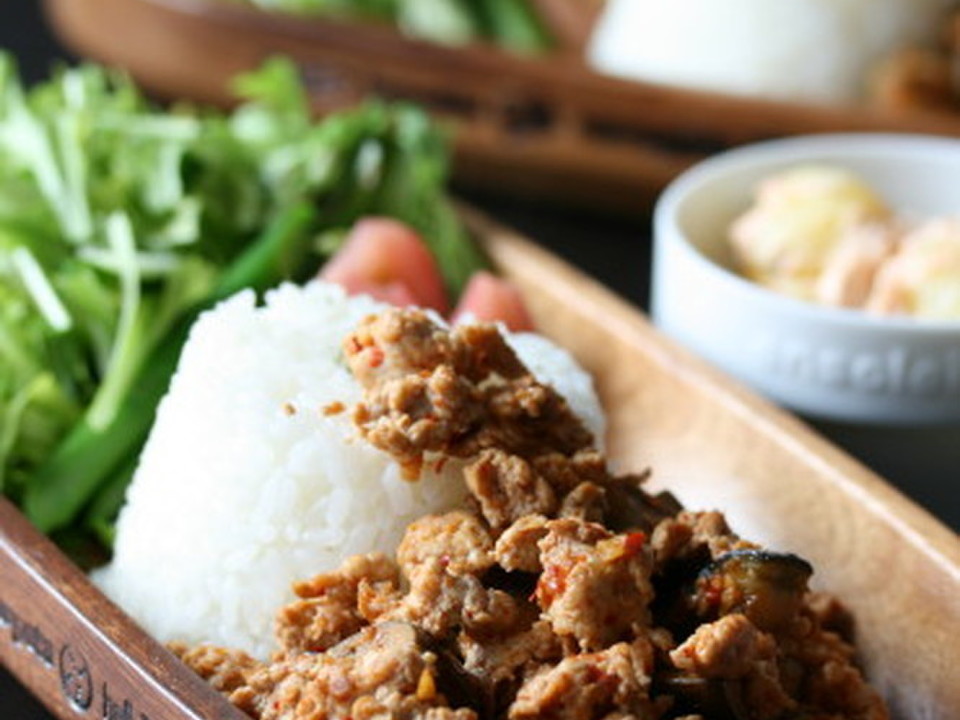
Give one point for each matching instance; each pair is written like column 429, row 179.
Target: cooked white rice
column 245, row 485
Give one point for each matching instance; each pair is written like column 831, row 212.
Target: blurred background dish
column 886, row 387
column 803, row 50
column 833, row 363
column 545, row 125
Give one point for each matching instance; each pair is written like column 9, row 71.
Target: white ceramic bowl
column 823, row 362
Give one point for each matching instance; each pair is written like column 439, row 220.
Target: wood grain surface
column 714, row 444
column 76, row 651
column 544, row 127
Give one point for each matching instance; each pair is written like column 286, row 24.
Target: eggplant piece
column 458, row 686
column 765, row 586
column 518, row 583
column 404, row 640
column 673, row 604
column 629, row 507
column 712, row 698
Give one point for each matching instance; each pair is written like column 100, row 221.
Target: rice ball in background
column 807, row 50
column 246, row 484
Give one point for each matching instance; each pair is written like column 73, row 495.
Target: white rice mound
column 245, row 484
column 808, row 50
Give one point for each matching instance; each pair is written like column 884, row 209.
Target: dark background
column 924, row 463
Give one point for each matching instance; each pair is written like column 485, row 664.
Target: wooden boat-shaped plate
column 545, row 127
column 713, row 443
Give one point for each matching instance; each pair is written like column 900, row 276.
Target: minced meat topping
column 561, row 591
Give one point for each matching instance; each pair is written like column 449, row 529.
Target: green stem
column 64, row 484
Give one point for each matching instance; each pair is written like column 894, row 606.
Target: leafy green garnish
column 119, row 222
column 511, row 24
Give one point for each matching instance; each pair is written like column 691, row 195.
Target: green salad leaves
column 119, row 222
column 510, row 24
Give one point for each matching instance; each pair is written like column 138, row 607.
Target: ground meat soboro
column 560, row 592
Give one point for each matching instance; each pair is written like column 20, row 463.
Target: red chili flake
column 375, row 356
column 713, row 592
column 595, row 675
column 355, row 345
column 334, row 408
column 440, row 464
column 552, row 583
column 633, row 543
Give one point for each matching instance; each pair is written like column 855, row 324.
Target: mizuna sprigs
column 119, row 222
column 512, row 24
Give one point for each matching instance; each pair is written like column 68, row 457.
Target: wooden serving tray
column 713, row 443
column 545, row 127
